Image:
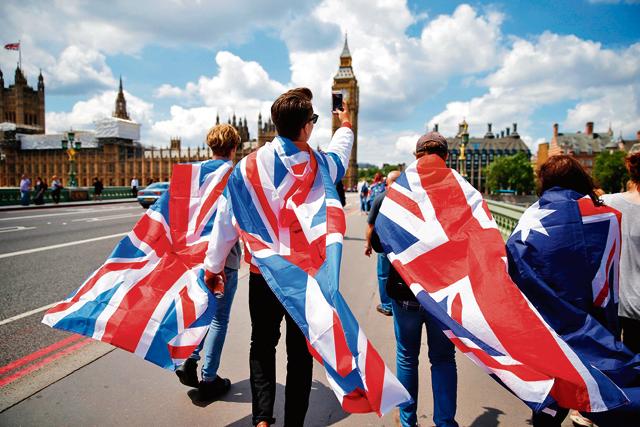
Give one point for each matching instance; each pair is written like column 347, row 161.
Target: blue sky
column 417, row 62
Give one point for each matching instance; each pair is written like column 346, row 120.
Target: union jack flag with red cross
column 440, row 236
column 289, row 215
column 149, row 297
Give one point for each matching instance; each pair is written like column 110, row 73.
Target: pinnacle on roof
column 345, row 50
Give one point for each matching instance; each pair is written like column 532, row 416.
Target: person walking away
column 377, row 187
column 97, row 189
column 628, row 203
column 292, row 113
column 579, row 302
column 40, row 189
column 56, row 189
column 382, row 264
column 409, row 317
column 363, row 192
column 25, row 188
column 134, row 186
column 223, row 140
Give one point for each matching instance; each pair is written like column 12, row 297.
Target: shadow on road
column 354, row 238
column 324, row 409
column 487, row 419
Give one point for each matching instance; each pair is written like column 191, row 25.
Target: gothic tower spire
column 121, row 104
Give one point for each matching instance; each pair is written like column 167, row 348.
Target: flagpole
column 19, row 54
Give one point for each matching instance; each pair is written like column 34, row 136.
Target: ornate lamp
column 71, row 146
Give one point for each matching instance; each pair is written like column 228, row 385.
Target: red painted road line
column 38, row 354
column 11, row 378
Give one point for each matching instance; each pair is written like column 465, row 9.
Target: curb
column 64, row 205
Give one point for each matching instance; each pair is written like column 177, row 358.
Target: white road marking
column 26, row 314
column 14, row 228
column 106, row 218
column 74, row 212
column 61, row 245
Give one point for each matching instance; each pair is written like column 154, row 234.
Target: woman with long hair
column 564, row 255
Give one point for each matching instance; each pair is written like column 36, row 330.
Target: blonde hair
column 222, row 139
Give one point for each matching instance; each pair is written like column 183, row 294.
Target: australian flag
column 440, row 236
column 149, row 297
column 564, row 256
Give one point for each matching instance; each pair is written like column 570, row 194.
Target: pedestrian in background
column 56, row 189
column 40, row 189
column 363, row 191
column 383, row 264
column 97, row 189
column 628, row 203
column 25, row 188
column 134, row 186
column 223, row 140
column 377, row 188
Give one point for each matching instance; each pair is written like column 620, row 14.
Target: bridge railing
column 506, row 215
column 11, row 196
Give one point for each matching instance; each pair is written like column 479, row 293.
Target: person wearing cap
column 409, row 317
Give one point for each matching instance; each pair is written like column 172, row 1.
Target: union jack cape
column 564, row 256
column 149, row 297
column 441, row 238
column 290, row 217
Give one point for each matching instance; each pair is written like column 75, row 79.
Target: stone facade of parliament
column 113, row 151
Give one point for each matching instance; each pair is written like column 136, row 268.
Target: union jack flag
column 12, row 46
column 149, row 297
column 440, row 236
column 290, row 217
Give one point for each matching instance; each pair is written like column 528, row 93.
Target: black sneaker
column 211, row 390
column 188, row 373
column 383, row 310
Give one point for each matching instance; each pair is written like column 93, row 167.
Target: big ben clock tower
column 345, row 82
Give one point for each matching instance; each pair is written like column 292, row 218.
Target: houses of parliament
column 113, row 151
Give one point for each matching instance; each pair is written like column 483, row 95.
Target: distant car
column 150, row 194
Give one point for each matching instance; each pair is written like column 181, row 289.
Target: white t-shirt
column 134, row 182
column 629, row 256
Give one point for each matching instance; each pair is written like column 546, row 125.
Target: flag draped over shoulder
column 149, row 297
column 291, row 219
column 440, row 236
column 564, row 256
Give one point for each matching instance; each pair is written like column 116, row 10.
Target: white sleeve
column 339, row 151
column 223, row 236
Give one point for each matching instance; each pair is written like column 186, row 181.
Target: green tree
column 610, row 172
column 511, row 173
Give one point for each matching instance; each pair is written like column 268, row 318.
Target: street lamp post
column 462, row 157
column 72, row 146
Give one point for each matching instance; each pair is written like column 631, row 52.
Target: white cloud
column 549, row 70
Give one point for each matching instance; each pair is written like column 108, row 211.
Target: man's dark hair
column 291, row 111
column 566, row 172
column 433, row 147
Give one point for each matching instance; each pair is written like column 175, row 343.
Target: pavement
column 52, row 378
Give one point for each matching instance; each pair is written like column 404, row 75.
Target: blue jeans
column 444, row 378
column 383, row 275
column 363, row 203
column 214, row 341
column 24, row 198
